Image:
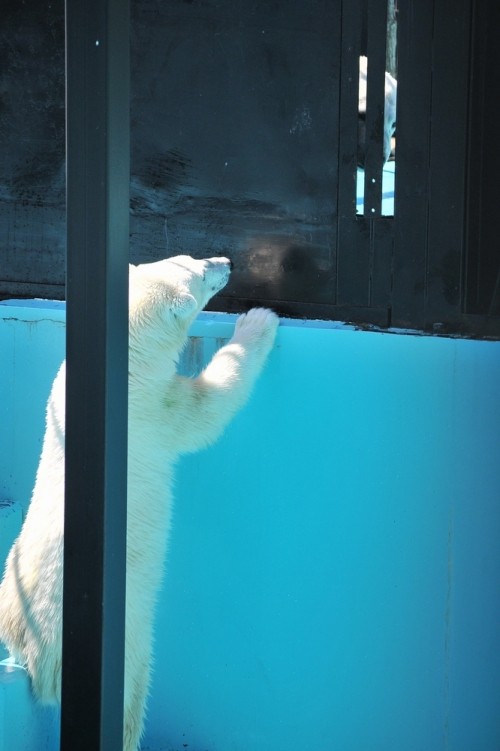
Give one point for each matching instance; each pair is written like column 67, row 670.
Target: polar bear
column 390, row 102
column 168, row 415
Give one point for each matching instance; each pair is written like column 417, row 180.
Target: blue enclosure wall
column 333, row 578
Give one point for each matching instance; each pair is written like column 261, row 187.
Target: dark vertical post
column 97, row 122
column 482, row 269
column 411, row 206
column 352, row 266
column 447, row 162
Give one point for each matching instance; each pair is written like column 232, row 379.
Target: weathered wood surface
column 234, row 145
column 244, row 142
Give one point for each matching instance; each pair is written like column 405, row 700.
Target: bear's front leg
column 205, row 405
column 253, row 339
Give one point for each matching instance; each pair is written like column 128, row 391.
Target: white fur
column 391, row 92
column 168, row 415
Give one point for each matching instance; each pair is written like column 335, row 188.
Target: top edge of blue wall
column 34, row 309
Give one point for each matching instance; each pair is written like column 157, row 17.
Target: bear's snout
column 220, row 261
column 218, row 271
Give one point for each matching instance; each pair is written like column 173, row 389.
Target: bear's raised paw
column 258, row 327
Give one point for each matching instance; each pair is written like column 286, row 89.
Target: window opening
column 377, row 97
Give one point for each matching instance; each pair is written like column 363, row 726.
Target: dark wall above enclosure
column 244, row 143
column 235, row 139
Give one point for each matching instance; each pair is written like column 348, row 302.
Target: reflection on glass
column 389, row 139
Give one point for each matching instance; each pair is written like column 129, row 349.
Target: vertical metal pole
column 97, row 123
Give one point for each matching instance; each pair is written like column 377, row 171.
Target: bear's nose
column 220, row 261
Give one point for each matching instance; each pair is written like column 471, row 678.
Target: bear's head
column 164, row 299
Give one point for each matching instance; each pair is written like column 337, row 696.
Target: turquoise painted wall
column 334, row 569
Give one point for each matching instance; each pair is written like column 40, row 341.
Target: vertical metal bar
column 97, row 101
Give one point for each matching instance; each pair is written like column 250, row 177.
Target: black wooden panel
column 365, row 263
column 32, row 218
column 374, row 122
column 244, row 142
column 349, row 52
column 235, row 139
column 32, row 241
column 353, row 269
column 363, row 317
column 364, row 247
column 353, row 275
column 478, row 159
column 381, row 252
column 483, row 263
column 415, row 23
column 445, row 242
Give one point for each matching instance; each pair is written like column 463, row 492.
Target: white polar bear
column 168, row 415
column 390, row 102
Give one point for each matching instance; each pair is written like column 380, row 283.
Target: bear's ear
column 184, row 305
